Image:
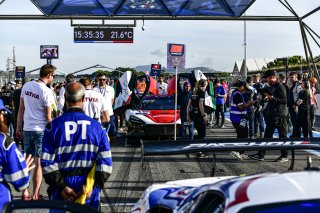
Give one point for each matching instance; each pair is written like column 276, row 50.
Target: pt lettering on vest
column 71, row 127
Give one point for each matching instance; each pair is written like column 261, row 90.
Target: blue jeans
column 184, row 130
column 32, row 141
column 258, row 122
column 251, row 123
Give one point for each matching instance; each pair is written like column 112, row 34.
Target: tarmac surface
column 129, row 179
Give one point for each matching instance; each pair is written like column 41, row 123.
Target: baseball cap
column 2, row 107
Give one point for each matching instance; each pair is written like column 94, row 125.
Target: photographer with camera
column 238, row 113
column 276, row 112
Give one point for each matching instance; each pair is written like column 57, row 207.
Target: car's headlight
column 136, row 120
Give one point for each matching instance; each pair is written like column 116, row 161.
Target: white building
column 252, row 65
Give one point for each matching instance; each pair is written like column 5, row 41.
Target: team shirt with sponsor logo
column 36, row 96
column 94, row 104
column 108, row 93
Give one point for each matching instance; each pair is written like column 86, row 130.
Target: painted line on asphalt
column 116, row 204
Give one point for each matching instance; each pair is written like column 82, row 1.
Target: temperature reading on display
column 103, row 35
column 121, row 34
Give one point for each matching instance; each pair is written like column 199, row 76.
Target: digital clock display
column 103, row 35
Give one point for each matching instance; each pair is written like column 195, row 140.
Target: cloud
column 207, row 62
column 158, row 53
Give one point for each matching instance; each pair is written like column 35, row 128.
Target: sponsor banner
column 176, row 56
column 178, row 147
column 155, row 69
column 20, row 72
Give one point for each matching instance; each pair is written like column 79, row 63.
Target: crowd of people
column 51, row 121
column 65, row 129
column 258, row 106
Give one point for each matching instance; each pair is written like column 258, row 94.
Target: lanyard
column 103, row 90
column 42, row 81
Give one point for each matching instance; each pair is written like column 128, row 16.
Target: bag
column 243, row 123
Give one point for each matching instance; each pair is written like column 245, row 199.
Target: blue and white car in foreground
column 270, row 192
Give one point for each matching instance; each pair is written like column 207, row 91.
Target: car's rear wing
column 153, row 148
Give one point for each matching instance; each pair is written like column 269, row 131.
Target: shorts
column 32, row 141
column 111, row 126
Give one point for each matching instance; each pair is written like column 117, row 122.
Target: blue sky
column 216, row 44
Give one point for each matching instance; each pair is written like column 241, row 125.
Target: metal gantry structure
column 304, row 28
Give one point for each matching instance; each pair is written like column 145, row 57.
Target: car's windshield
column 158, row 103
column 311, row 206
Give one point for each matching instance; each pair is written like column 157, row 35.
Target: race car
column 270, row 192
column 155, row 116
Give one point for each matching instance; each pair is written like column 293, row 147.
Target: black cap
column 269, row 73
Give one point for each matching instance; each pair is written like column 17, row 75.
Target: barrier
column 154, row 148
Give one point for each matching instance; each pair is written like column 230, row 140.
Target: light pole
column 301, row 64
column 285, row 60
column 245, row 48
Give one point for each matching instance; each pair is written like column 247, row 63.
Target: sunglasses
column 53, row 76
column 102, row 79
column 4, row 112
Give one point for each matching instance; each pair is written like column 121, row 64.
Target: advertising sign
column 176, row 57
column 49, row 51
column 20, row 72
column 155, row 69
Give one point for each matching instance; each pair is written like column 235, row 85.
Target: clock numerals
column 118, row 35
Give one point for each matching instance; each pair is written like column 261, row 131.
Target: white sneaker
column 237, row 155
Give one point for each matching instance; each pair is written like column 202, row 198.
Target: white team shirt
column 108, row 94
column 61, row 99
column 162, row 88
column 36, row 96
column 93, row 104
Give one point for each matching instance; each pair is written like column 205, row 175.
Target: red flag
column 153, row 86
column 172, row 85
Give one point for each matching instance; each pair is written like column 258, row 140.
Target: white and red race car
column 293, row 192
column 155, row 116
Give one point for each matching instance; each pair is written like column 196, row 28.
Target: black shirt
column 278, row 105
column 305, row 105
column 195, row 99
column 16, row 100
